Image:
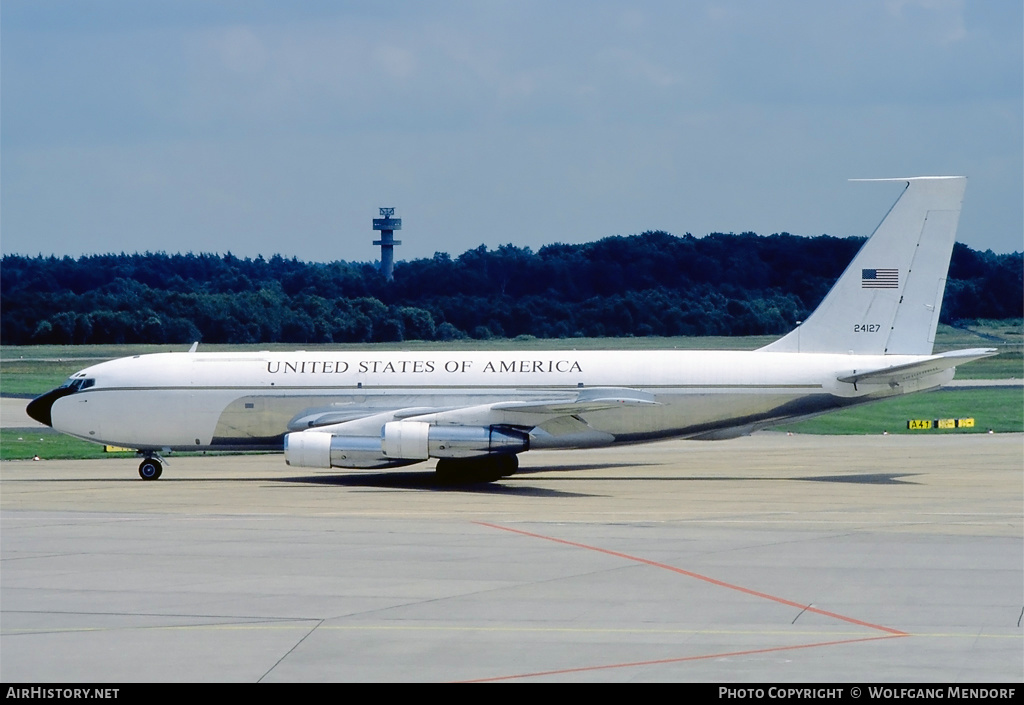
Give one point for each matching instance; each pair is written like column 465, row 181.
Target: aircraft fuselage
column 206, row 401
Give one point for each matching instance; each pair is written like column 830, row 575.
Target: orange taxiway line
column 698, row 576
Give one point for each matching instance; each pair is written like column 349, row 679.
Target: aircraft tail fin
column 888, row 299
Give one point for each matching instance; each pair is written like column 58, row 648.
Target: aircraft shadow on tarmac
column 881, row 478
column 514, row 485
column 429, row 481
column 878, row 478
column 867, row 479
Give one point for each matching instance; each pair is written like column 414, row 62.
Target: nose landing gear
column 151, row 468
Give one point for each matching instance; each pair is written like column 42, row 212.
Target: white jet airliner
column 870, row 338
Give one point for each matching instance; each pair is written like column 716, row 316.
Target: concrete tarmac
column 12, row 414
column 768, row 559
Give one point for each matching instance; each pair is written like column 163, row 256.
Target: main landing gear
column 488, row 468
column 151, row 468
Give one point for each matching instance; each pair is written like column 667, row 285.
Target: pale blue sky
column 272, row 127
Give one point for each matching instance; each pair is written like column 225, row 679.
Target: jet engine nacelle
column 314, row 449
column 417, row 440
column 400, row 443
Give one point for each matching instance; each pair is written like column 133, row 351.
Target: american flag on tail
column 879, row 279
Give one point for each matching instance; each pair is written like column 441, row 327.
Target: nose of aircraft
column 39, row 408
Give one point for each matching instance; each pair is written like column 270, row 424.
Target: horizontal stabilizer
column 898, row 374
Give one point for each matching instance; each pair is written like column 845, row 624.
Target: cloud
column 268, row 125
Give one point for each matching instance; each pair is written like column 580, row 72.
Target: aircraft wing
column 534, row 412
column 511, row 412
column 898, row 374
column 383, row 438
column 593, row 399
column 316, row 417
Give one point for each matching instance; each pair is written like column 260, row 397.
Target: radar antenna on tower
column 387, row 226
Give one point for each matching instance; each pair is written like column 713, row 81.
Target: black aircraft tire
column 507, row 464
column 150, row 469
column 465, row 471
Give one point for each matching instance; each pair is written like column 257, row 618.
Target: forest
column 640, row 285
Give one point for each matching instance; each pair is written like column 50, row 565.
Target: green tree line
column 648, row 284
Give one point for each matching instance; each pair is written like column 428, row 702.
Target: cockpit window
column 79, row 383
